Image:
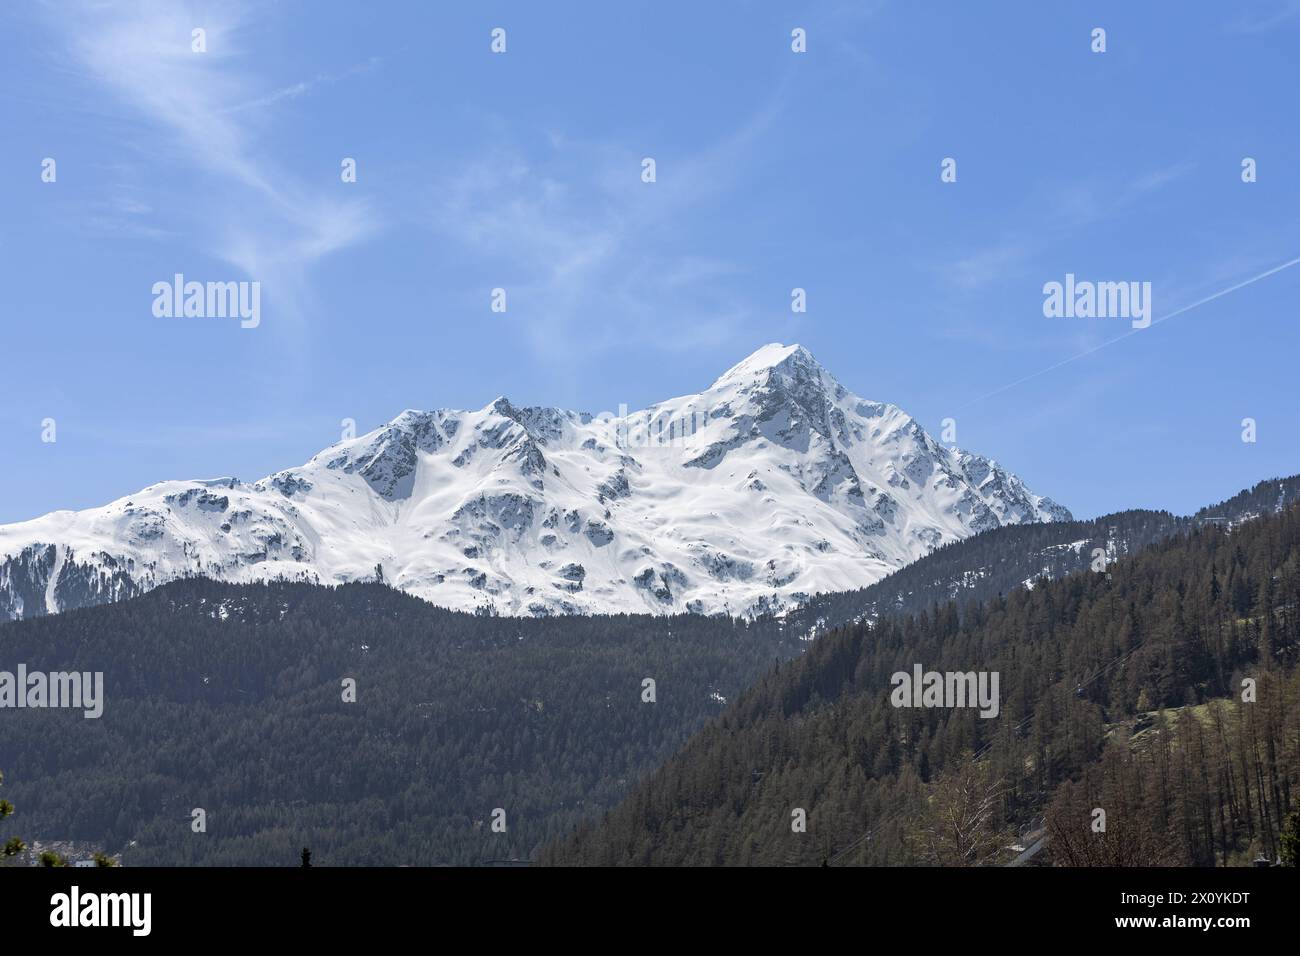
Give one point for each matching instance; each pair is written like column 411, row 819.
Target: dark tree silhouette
column 13, row 846
column 1291, row 840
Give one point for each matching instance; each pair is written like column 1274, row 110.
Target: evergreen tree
column 1291, row 840
column 13, row 846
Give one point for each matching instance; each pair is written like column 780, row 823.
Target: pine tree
column 1291, row 840
column 13, row 846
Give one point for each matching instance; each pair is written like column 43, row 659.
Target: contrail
column 1098, row 348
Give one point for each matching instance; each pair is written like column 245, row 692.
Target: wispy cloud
column 295, row 90
column 201, row 111
column 1053, row 218
column 987, row 265
column 600, row 254
column 122, row 214
column 1272, row 15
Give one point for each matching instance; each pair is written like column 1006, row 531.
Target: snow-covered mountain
column 772, row 484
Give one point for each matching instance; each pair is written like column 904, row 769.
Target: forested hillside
column 997, row 562
column 1083, row 664
column 229, row 698
column 1267, row 497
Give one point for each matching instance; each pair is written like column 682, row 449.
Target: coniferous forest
column 1162, row 692
column 230, row 699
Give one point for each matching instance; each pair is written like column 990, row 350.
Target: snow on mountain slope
column 772, row 484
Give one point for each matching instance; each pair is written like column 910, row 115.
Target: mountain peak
column 776, row 484
column 768, row 358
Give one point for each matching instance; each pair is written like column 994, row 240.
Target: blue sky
column 522, row 170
